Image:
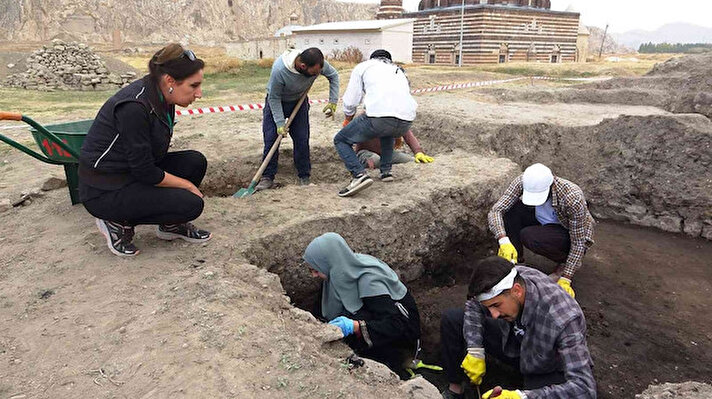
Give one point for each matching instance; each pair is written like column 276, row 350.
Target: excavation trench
column 647, row 170
column 223, row 179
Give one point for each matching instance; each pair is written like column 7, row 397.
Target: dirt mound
column 682, row 85
column 685, row 390
column 693, row 65
column 679, row 85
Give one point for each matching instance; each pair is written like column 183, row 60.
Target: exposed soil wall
column 411, row 236
column 646, row 170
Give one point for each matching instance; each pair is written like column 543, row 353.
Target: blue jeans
column 298, row 130
column 364, row 128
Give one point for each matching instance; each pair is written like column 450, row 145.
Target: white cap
column 536, row 181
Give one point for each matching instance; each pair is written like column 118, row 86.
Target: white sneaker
column 356, row 185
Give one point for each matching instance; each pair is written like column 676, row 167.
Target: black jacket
column 130, row 135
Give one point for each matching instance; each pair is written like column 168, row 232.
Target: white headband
column 506, row 283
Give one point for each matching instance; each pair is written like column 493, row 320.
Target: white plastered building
column 394, row 35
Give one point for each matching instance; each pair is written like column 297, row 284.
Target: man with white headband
column 520, row 317
column 546, row 214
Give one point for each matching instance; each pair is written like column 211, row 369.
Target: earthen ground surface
column 208, row 321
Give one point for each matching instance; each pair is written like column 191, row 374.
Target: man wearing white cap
column 518, row 316
column 546, row 214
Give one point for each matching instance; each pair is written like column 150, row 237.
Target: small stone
column 53, row 183
column 5, row 205
column 419, row 388
column 328, row 333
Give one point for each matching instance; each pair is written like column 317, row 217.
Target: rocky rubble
column 67, row 66
column 686, row 390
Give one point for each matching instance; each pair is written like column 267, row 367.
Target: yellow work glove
column 503, row 394
column 566, row 285
column 329, row 110
column 507, row 250
column 474, row 365
column 422, row 158
column 283, row 131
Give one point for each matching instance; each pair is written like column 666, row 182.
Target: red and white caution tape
column 245, row 107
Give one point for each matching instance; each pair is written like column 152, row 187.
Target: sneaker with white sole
column 118, row 237
column 357, row 184
column 387, row 177
column 184, row 231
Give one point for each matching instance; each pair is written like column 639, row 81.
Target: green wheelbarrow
column 60, row 143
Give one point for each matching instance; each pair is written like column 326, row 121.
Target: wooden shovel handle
column 10, row 116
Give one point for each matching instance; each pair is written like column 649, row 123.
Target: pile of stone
column 67, row 66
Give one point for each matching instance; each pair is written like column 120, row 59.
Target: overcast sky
column 625, row 15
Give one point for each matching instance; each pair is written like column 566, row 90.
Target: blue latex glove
column 345, row 324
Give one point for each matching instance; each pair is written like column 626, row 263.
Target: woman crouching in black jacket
column 127, row 176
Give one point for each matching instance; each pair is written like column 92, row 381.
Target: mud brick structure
column 493, row 31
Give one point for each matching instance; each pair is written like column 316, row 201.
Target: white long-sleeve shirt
column 386, row 88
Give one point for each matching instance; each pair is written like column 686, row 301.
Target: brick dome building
column 390, row 9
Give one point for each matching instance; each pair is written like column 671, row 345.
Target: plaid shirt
column 554, row 337
column 570, row 206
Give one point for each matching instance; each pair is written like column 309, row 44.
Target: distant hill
column 670, row 33
column 144, row 21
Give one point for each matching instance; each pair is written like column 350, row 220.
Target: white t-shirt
column 386, row 88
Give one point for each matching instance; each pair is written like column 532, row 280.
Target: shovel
column 244, row 192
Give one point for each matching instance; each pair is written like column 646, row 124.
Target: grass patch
column 39, row 104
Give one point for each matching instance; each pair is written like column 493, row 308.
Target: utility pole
column 462, row 30
column 603, row 42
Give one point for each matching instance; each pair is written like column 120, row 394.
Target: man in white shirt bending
column 390, row 110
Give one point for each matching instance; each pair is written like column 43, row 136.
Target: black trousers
column 139, row 203
column 524, row 230
column 454, row 349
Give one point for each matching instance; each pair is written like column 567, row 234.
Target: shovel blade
column 244, row 192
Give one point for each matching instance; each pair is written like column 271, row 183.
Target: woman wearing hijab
column 364, row 298
column 127, row 177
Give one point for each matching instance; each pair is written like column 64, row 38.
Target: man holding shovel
column 521, row 318
column 292, row 74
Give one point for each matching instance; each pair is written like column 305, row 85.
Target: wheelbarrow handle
column 14, row 116
column 28, row 151
column 10, row 116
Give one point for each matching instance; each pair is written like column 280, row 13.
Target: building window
column 431, row 58
column 457, row 59
column 554, row 58
column 502, row 58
